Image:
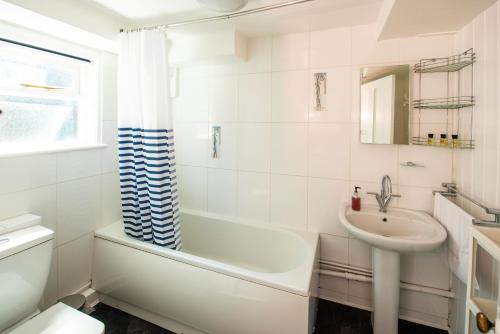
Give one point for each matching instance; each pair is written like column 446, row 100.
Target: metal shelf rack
column 454, row 102
column 451, row 104
column 447, row 64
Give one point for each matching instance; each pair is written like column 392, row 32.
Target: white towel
column 455, row 251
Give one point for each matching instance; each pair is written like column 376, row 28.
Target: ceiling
column 314, row 15
column 406, row 18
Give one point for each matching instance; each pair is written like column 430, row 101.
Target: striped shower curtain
column 146, row 140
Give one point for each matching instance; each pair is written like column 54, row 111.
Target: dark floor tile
column 407, row 327
column 335, row 318
column 119, row 322
column 332, row 318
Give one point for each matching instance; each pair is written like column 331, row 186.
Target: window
column 46, row 100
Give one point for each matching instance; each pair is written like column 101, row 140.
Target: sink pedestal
column 385, row 291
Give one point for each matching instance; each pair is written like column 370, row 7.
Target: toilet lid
column 61, row 319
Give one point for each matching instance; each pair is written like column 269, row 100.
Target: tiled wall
column 282, row 163
column 74, row 192
column 477, row 172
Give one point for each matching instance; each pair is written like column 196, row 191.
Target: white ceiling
column 145, row 9
column 406, row 18
column 317, row 14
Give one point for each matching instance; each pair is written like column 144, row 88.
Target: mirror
column 384, row 107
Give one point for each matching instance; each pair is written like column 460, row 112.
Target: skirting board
column 323, row 294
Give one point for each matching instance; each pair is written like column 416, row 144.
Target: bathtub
column 230, row 277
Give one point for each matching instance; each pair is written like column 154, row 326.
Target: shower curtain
column 146, row 140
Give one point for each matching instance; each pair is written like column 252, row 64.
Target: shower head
column 224, row 6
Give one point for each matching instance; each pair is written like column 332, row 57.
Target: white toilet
column 25, row 258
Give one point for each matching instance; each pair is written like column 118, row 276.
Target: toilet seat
column 61, row 319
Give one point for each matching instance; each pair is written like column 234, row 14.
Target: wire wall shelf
column 446, row 64
column 454, row 143
column 456, row 131
column 454, row 102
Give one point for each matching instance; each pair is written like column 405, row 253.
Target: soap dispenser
column 356, row 200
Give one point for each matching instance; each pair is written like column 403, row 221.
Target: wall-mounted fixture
column 320, row 91
column 216, row 142
column 458, row 130
column 411, row 164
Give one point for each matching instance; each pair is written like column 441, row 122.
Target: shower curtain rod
column 221, row 17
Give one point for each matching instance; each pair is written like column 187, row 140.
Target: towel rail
column 451, row 191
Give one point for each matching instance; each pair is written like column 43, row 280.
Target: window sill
column 23, row 150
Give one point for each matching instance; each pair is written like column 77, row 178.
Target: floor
column 332, row 318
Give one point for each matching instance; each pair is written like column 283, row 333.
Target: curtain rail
column 5, row 40
column 221, row 17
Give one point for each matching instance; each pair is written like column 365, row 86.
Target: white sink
column 397, row 230
column 390, row 233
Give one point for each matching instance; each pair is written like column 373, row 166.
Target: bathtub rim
column 292, row 281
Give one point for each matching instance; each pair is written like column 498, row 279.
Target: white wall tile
column 254, row 147
column 193, row 92
column 223, row 98
column 39, row 201
column 334, row 248
column 78, row 164
column 78, row 208
column 360, row 254
column 329, row 150
column 75, row 262
column 425, row 303
column 437, row 166
column 227, row 155
column 416, row 198
column 289, row 149
column 254, row 97
column 222, row 191
column 194, row 188
column 367, row 50
column 338, row 96
column 289, row 201
column 20, row 173
column 330, row 47
column 416, row 48
column 259, row 56
column 371, row 162
column 290, row 96
column 325, row 197
column 335, row 284
column 111, row 198
column 290, row 52
column 110, row 153
column 194, row 144
column 253, row 196
column 425, row 269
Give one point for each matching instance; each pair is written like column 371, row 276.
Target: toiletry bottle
column 455, row 141
column 430, row 139
column 356, row 200
column 443, row 141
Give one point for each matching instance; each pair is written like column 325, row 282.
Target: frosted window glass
column 40, row 120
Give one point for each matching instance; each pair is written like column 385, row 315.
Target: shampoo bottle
column 356, row 200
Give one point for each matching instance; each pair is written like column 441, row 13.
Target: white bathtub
column 230, row 277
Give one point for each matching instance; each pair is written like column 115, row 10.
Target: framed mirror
column 384, row 105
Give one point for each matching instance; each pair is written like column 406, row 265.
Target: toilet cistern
column 385, row 196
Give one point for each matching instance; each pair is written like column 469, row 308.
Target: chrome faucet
column 385, row 195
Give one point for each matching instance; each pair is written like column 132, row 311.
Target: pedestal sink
column 390, row 233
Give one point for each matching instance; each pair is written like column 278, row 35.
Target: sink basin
column 390, row 233
column 398, row 230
